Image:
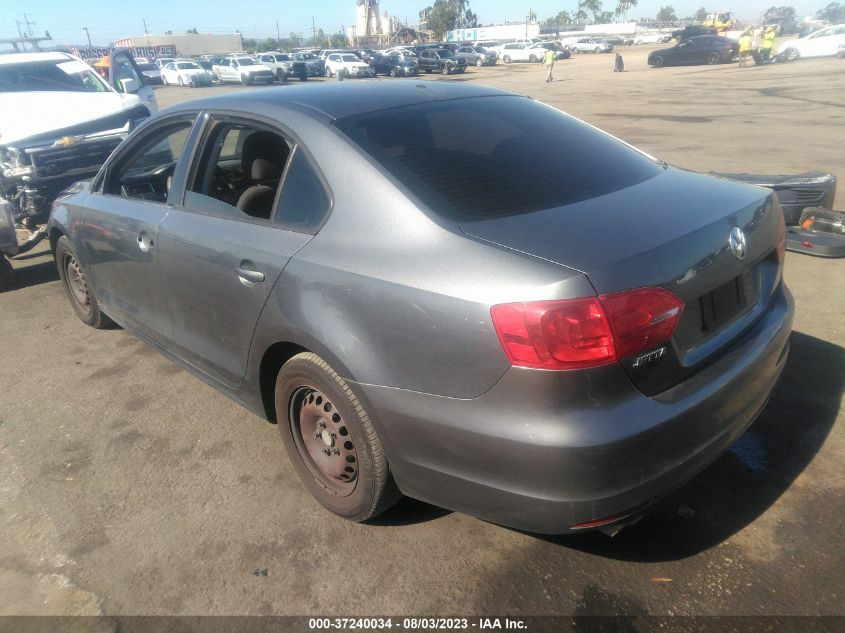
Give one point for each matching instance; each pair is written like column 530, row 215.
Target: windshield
column 187, row 66
column 282, row 58
column 478, row 158
column 445, row 54
column 349, row 58
column 52, row 75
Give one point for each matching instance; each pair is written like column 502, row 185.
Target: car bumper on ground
column 545, row 451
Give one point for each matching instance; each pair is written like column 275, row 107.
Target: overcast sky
column 108, row 20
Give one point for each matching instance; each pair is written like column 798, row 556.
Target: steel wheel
column 76, row 283
column 323, row 441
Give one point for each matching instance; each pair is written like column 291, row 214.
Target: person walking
column 768, row 43
column 744, row 48
column 549, row 62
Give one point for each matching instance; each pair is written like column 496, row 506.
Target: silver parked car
column 476, row 55
column 445, row 291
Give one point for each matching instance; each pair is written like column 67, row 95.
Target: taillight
column 642, row 318
column 587, row 332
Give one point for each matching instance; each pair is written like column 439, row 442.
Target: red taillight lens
column 566, row 334
column 579, row 333
column 642, row 318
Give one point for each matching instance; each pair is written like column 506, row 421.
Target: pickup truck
column 441, row 60
column 284, row 65
column 243, row 69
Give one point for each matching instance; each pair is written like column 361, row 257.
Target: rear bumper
column 543, row 451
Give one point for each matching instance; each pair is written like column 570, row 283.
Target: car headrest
column 266, row 145
column 264, row 170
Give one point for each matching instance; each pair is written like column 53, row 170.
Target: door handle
column 249, row 276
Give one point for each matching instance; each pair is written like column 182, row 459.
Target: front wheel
column 445, row 70
column 658, row 62
column 598, row 50
column 331, row 440
column 245, row 79
column 394, row 73
column 163, row 80
column 303, row 77
column 81, row 295
column 328, row 72
column 791, row 55
column 506, row 59
column 713, row 58
column 479, row 62
column 532, row 59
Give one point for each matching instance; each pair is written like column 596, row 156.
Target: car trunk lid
column 671, row 231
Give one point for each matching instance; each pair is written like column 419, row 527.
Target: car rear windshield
column 485, row 157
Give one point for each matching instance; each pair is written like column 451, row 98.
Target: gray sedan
column 432, row 297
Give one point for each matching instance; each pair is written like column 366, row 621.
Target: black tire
column 506, row 59
column 532, row 59
column 303, row 77
column 461, row 70
column 713, row 58
column 280, row 75
column 791, row 55
column 394, row 73
column 7, row 273
column 79, row 293
column 598, row 50
column 305, row 384
column 658, row 61
column 328, row 72
column 163, row 80
column 479, row 62
column 445, row 70
column 428, row 70
column 245, row 79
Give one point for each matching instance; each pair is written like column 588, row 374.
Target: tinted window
column 304, row 200
column 67, row 75
column 483, row 157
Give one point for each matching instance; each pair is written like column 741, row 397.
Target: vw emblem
column 737, row 241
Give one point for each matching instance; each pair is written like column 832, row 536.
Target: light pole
column 85, row 28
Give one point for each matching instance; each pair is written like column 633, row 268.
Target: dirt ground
column 128, row 486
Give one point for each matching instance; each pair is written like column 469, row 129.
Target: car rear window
column 485, row 157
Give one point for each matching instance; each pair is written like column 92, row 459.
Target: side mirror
column 129, row 86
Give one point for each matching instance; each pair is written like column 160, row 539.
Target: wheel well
column 274, row 357
column 55, row 234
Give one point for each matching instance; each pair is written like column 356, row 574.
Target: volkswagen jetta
column 432, row 296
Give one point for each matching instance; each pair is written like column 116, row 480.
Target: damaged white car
column 60, row 122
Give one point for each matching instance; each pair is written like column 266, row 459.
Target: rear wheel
column 445, row 70
column 713, row 58
column 791, row 55
column 163, row 80
column 331, row 440
column 394, row 73
column 532, row 59
column 506, row 59
column 657, row 61
column 245, row 79
column 598, row 50
column 81, row 295
column 479, row 62
column 328, row 72
column 303, row 77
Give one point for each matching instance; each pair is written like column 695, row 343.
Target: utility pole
column 313, row 32
column 278, row 36
column 29, row 24
column 85, row 28
column 144, row 20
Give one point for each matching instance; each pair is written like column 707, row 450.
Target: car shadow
column 34, row 274
column 409, row 511
column 746, row 480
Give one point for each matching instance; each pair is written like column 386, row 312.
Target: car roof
column 22, row 58
column 337, row 100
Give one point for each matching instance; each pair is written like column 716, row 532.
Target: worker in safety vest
column 549, row 62
column 768, row 43
column 744, row 48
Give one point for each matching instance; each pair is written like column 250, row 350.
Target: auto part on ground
column 795, row 193
column 820, row 233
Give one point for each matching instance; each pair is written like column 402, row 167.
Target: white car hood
column 28, row 113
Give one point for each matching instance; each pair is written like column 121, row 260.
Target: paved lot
column 129, row 487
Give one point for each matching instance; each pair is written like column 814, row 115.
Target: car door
column 119, row 224
column 220, row 257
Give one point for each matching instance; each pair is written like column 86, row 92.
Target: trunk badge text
column 651, row 356
column 738, row 243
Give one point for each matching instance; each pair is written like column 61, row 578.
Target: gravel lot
column 129, row 487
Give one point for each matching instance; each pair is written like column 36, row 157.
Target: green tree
column 623, row 7
column 561, row 18
column 589, row 10
column 339, row 40
column 445, row 15
column 667, row 14
column 833, row 13
column 701, row 14
column 778, row 14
